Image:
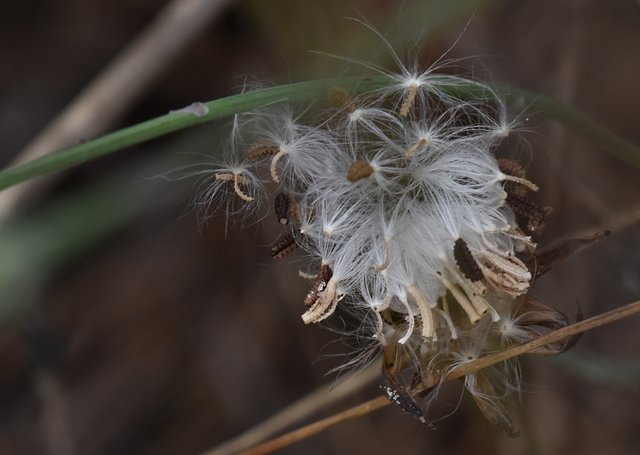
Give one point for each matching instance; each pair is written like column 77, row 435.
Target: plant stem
column 302, row 91
column 316, row 401
column 551, row 337
column 176, row 121
column 575, row 120
column 471, row 367
column 318, row 427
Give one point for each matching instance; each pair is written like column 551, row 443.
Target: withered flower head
column 405, row 213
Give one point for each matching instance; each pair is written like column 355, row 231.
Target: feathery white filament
column 382, row 190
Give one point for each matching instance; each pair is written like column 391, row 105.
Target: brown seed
column 360, row 169
column 466, row 262
column 421, row 144
column 341, row 98
column 513, row 168
column 324, row 276
column 281, row 207
column 408, row 101
column 284, row 246
column 535, row 215
column 262, row 149
column 237, row 179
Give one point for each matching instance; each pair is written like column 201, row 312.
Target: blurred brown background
column 126, row 331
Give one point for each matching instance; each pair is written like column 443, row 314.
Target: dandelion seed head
column 400, row 202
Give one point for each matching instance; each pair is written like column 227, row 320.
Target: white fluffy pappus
column 397, row 198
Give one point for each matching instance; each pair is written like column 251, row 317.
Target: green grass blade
column 303, row 91
column 177, row 121
column 577, row 121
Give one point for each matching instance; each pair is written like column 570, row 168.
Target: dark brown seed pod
column 324, row 275
column 360, row 169
column 262, row 149
column 513, row 168
column 281, row 206
column 534, row 215
column 466, row 262
column 284, row 246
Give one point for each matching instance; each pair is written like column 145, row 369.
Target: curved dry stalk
column 314, row 402
column 318, row 427
column 551, row 337
column 471, row 367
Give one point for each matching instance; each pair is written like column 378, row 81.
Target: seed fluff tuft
column 408, row 219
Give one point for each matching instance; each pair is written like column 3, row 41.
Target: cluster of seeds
column 398, row 200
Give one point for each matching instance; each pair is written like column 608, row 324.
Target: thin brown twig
column 318, row 427
column 551, row 337
column 121, row 83
column 314, row 402
column 471, row 367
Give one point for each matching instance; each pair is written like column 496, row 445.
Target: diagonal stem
column 321, row 398
column 173, row 122
column 119, row 85
column 300, row 91
column 471, row 367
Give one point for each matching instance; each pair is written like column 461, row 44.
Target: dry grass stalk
column 479, row 364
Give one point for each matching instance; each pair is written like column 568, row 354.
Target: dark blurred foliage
column 125, row 330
